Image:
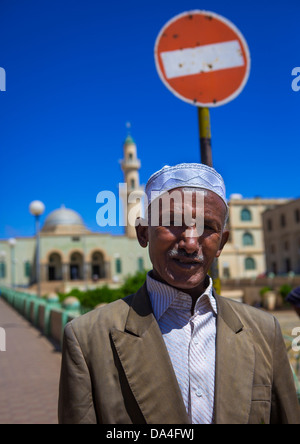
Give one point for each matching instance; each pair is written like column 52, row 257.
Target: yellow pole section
column 205, row 136
column 204, row 122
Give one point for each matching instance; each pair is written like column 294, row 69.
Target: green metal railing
column 38, row 310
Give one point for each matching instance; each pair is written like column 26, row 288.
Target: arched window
column 98, row 268
column 76, row 266
column 246, row 214
column 55, row 267
column 250, row 263
column 248, row 239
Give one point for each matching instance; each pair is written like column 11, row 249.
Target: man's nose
column 189, row 240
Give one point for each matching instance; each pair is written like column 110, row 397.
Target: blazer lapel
column 235, row 360
column 147, row 365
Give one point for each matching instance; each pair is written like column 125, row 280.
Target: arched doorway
column 98, row 269
column 76, row 266
column 54, row 267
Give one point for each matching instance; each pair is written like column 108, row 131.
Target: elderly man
column 175, row 352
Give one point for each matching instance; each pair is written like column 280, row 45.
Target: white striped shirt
column 190, row 341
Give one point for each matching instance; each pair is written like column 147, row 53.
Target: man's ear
column 225, row 237
column 142, row 232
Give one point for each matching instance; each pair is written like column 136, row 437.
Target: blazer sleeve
column 75, row 405
column 285, row 407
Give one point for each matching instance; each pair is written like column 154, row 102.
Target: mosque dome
column 63, row 221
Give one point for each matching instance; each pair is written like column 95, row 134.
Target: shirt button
column 198, row 393
column 196, row 341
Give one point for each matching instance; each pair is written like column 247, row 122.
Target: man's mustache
column 180, row 254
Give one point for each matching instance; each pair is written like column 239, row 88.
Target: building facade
column 72, row 255
column 282, row 238
column 244, row 254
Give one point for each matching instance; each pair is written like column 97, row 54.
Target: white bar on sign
column 188, row 61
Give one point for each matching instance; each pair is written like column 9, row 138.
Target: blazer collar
column 140, row 315
column 228, row 315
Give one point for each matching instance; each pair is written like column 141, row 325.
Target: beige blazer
column 116, row 368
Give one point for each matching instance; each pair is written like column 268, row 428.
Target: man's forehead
column 179, row 197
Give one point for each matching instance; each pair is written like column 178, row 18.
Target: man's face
column 181, row 256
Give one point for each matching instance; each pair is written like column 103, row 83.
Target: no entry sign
column 202, row 58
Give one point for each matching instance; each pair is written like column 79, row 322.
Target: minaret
column 130, row 165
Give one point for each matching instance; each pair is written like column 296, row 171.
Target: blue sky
column 77, row 71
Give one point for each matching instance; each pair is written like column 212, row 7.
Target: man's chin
column 185, row 281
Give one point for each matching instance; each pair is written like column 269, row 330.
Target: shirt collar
column 162, row 296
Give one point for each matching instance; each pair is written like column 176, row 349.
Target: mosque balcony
column 128, row 164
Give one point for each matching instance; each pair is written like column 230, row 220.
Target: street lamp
column 12, row 242
column 37, row 208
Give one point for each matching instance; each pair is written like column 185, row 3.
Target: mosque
column 70, row 254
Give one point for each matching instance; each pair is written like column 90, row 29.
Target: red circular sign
column 202, row 58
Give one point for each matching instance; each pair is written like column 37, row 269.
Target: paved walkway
column 30, row 367
column 29, row 372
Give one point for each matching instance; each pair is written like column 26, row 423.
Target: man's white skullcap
column 196, row 175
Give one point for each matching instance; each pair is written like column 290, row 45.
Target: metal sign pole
column 206, row 159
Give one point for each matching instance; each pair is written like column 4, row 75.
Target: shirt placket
column 182, row 308
column 199, row 402
column 191, row 331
